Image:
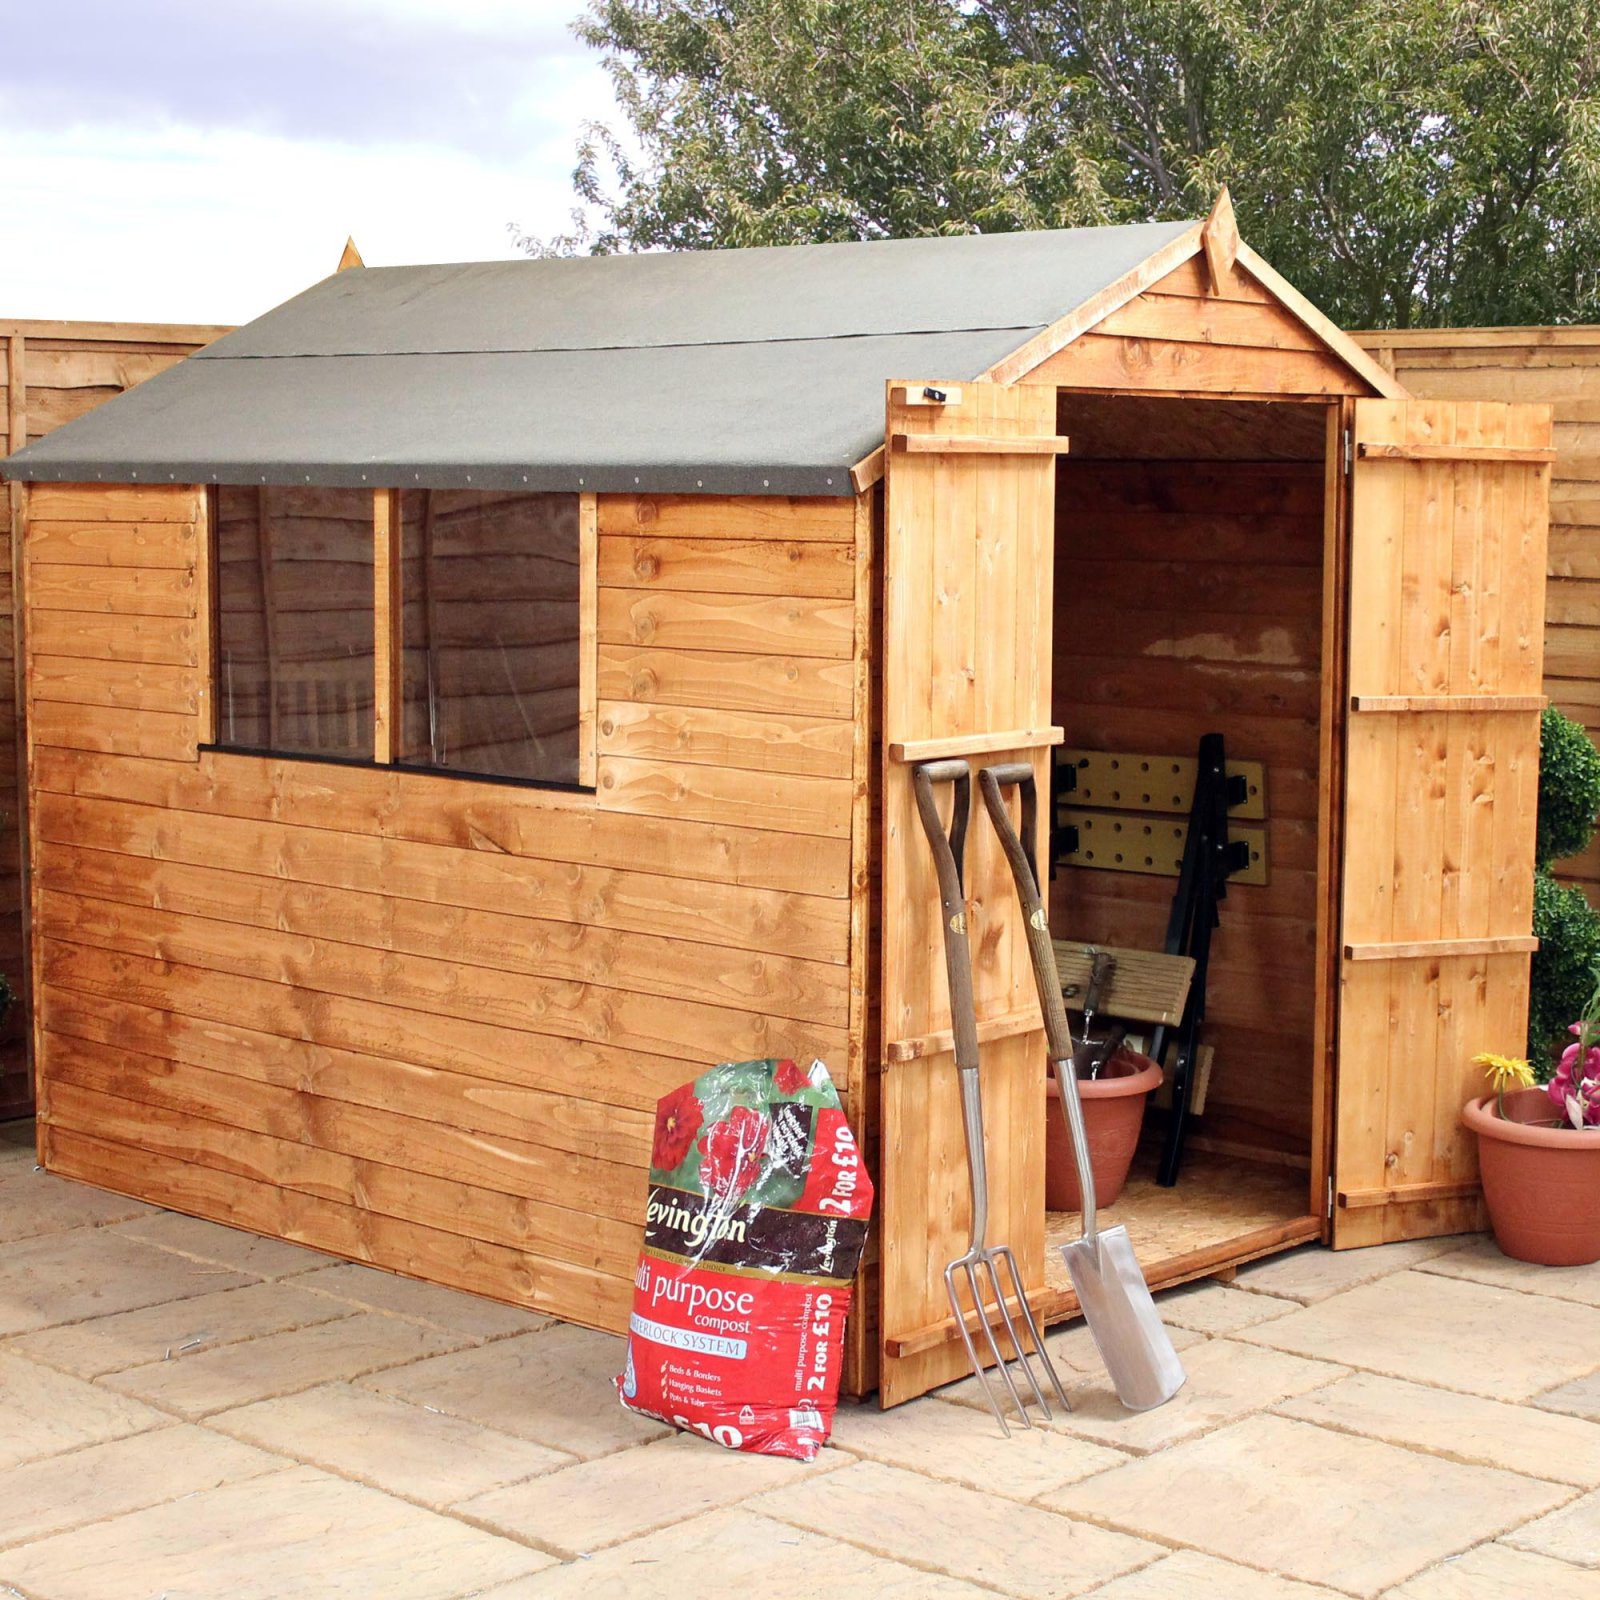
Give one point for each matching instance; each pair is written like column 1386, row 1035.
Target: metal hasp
column 1106, row 1276
column 1209, row 859
column 982, row 1261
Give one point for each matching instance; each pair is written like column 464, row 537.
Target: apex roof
column 755, row 371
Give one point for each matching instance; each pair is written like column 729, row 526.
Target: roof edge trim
column 1016, row 366
column 1339, row 343
column 803, row 481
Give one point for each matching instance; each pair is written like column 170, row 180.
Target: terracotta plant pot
column 1113, row 1113
column 1540, row 1184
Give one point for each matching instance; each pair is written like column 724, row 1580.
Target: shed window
column 489, row 589
column 294, row 620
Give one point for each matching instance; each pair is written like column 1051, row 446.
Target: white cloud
column 218, row 227
column 170, row 210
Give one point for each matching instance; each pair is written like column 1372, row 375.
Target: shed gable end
column 1203, row 315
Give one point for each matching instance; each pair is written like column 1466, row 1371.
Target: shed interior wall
column 418, row 1020
column 1190, row 550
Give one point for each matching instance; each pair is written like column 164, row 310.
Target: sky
column 203, row 160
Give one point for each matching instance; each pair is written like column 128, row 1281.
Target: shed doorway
column 1191, row 585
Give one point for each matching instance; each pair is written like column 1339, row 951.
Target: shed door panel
column 967, row 626
column 1449, row 514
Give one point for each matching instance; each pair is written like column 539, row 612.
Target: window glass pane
column 489, row 589
column 295, row 620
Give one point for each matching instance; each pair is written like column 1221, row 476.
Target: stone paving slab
column 1189, row 1575
column 1020, row 1550
column 210, row 1241
column 1460, row 1427
column 1571, row 1534
column 1312, row 1273
column 586, row 1507
column 1580, row 1398
column 944, row 1441
column 291, row 1533
column 1225, row 1381
column 554, row 1387
column 466, row 1314
column 1451, row 1333
column 204, row 1381
column 177, row 1328
column 1324, row 1507
column 45, row 1412
column 1213, row 1308
column 95, row 1272
column 737, row 1553
column 1497, row 1572
column 33, row 1202
column 403, row 1449
column 106, row 1480
column 1483, row 1262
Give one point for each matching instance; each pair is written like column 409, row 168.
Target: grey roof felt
column 732, row 371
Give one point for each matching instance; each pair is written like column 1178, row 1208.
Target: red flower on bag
column 790, row 1078
column 730, row 1153
column 678, row 1119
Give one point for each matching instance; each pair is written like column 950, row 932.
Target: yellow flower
column 1505, row 1072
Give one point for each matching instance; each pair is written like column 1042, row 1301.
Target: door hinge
column 1349, row 452
column 1329, row 1212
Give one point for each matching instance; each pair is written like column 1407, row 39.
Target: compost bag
column 756, row 1220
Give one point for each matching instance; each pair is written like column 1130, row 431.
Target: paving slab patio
column 191, row 1411
column 1324, row 1507
column 1498, row 1572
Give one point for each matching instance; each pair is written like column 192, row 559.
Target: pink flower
column 1575, row 1088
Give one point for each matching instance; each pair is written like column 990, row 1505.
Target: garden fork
column 982, row 1263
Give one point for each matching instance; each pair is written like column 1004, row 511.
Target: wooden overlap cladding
column 967, row 606
column 416, row 1019
column 1448, row 524
column 51, row 373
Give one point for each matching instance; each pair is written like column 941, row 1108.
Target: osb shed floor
column 1218, row 1199
column 193, row 1412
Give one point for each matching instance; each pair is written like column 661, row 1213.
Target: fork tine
column 1002, row 1365
column 1019, row 1357
column 966, row 1338
column 1034, row 1335
column 1001, row 1254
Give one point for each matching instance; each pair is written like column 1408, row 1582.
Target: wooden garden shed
column 468, row 700
column 50, row 374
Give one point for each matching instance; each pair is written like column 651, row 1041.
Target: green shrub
column 1564, row 968
column 1569, row 788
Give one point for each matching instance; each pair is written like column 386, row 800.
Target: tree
column 1405, row 162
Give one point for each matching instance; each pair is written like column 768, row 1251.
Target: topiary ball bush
column 1569, row 788
column 1564, row 968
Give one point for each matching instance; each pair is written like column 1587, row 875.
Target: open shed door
column 970, row 532
column 1449, row 516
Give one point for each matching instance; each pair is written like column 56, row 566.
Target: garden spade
column 1111, row 1288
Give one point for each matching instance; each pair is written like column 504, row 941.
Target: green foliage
column 1425, row 163
column 1565, row 967
column 1569, row 788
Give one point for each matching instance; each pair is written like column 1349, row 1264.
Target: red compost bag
column 755, row 1225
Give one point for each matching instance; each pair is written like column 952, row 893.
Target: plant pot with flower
column 1539, row 1154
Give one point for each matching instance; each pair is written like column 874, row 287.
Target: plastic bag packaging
column 756, row 1221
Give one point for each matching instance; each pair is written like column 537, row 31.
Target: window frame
column 388, row 601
